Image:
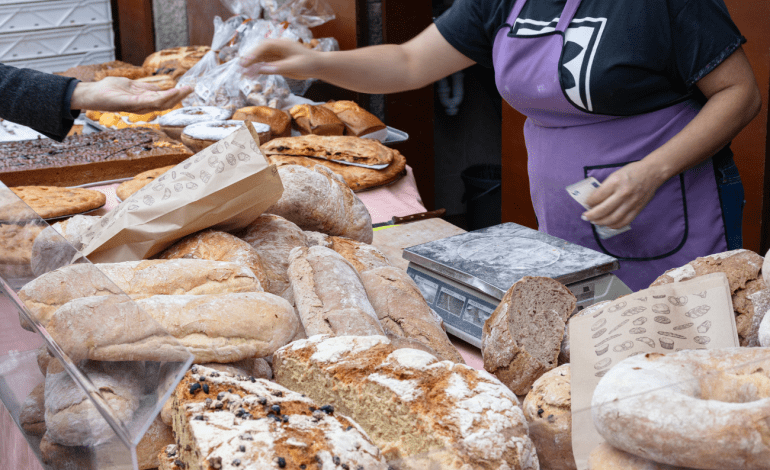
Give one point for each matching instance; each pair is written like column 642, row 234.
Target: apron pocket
column 660, row 229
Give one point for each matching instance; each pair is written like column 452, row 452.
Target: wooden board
column 393, row 240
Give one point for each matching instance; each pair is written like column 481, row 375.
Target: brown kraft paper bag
column 225, row 186
column 696, row 314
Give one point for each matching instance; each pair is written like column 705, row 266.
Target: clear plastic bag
column 218, row 87
column 249, row 8
column 310, row 13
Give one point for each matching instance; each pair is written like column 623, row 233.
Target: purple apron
column 565, row 145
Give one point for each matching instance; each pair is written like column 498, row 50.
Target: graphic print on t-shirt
column 581, row 40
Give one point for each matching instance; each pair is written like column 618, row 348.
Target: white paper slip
column 580, row 192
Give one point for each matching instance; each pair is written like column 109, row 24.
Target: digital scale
column 464, row 277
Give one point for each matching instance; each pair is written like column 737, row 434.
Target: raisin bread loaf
column 423, row 413
column 522, row 339
column 547, row 408
column 225, row 422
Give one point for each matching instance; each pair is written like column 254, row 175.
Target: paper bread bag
column 227, row 186
column 696, row 314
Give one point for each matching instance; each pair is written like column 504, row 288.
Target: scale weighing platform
column 464, row 277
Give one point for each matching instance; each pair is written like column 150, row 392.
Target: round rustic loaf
column 274, row 237
column 522, row 339
column 319, row 200
column 742, row 268
column 688, row 408
column 547, row 408
column 606, row 457
column 214, row 245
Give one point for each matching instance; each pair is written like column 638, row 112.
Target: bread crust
column 279, row 121
column 51, row 201
column 344, row 148
column 316, row 120
column 357, row 120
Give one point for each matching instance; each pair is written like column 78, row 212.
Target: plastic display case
column 97, row 412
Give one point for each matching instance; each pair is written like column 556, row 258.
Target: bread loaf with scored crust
column 215, row 328
column 329, row 294
column 522, row 339
column 274, row 237
column 421, row 412
column 138, row 279
column 403, row 312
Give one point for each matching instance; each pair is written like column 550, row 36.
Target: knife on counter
column 396, row 220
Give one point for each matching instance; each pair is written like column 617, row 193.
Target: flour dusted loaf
column 71, row 419
column 547, row 408
column 423, row 413
column 224, row 422
column 329, row 294
column 743, row 270
column 55, row 246
column 32, row 413
column 403, row 312
column 215, row 328
column 362, row 256
column 274, row 237
column 522, row 339
column 214, row 245
column 138, row 279
column 693, row 408
column 319, row 200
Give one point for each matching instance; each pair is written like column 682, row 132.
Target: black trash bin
column 483, row 195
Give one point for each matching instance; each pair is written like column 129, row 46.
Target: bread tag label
column 580, row 192
column 695, row 314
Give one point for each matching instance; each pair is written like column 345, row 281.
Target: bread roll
column 72, row 419
column 213, row 245
column 215, row 328
column 32, row 414
column 317, row 120
column 138, row 279
column 403, row 312
column 522, row 339
column 357, row 120
column 274, row 237
column 279, row 121
column 548, row 409
column 319, row 200
column 43, row 358
column 329, row 294
column 423, row 413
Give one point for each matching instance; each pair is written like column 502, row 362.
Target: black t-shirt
column 642, row 55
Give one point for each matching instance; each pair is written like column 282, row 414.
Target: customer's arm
column 375, row 69
column 50, row 103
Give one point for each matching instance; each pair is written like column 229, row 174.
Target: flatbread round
column 53, row 201
column 356, row 177
column 127, row 188
column 332, row 147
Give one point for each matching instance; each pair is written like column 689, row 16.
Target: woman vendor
column 643, row 96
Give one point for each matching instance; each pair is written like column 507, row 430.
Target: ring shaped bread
column 174, row 122
column 200, row 135
column 695, row 408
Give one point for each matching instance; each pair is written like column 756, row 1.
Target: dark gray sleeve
column 37, row 100
column 470, row 26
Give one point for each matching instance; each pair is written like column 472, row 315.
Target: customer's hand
column 623, row 195
column 122, row 94
column 282, row 57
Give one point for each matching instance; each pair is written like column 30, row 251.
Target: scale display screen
column 462, row 312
